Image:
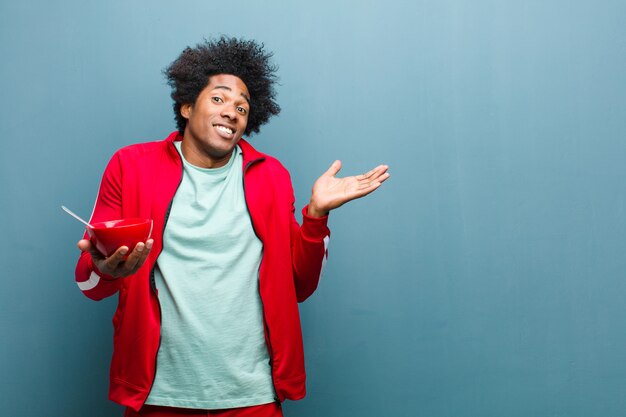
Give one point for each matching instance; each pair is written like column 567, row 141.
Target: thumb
column 334, row 168
column 84, row 245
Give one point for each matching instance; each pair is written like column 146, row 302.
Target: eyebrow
column 223, row 87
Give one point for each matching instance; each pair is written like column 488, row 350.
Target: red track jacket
column 140, row 181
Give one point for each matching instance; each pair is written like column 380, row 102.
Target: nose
column 229, row 112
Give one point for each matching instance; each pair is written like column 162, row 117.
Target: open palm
column 330, row 192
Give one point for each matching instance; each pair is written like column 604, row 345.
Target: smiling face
column 216, row 121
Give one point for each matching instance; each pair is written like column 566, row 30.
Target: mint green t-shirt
column 213, row 353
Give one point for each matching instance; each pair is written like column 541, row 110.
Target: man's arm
column 310, row 241
column 98, row 276
column 309, row 251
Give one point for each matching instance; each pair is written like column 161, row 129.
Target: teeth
column 225, row 129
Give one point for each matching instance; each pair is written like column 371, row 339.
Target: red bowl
column 109, row 236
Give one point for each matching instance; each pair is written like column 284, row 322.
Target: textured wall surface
column 486, row 278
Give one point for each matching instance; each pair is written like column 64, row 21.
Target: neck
column 202, row 159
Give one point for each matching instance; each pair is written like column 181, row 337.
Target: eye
column 242, row 110
column 217, row 99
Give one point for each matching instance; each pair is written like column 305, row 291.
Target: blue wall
column 486, row 278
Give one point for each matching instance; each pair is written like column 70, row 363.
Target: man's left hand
column 330, row 192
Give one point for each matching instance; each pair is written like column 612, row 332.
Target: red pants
column 264, row 410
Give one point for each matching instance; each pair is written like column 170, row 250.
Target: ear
column 185, row 110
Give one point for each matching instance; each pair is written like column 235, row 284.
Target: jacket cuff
column 314, row 228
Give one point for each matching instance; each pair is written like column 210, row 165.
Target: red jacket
column 140, row 181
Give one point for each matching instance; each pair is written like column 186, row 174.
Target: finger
column 375, row 171
column 130, row 265
column 138, row 257
column 367, row 189
column 366, row 175
column 379, row 170
column 334, row 169
column 112, row 262
column 145, row 253
column 383, row 177
column 379, row 176
column 382, row 169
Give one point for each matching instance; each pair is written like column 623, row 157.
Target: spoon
column 76, row 216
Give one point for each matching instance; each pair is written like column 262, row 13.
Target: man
column 207, row 321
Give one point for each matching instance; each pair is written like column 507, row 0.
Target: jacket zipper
column 153, row 282
column 269, row 343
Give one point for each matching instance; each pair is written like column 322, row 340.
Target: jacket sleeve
column 92, row 282
column 309, row 251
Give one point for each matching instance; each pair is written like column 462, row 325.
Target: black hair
column 189, row 74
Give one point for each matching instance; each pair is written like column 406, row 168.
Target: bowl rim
column 137, row 221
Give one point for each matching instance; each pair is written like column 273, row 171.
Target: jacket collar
column 250, row 154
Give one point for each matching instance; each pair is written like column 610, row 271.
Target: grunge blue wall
column 486, row 278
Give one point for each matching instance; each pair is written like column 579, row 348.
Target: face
column 216, row 121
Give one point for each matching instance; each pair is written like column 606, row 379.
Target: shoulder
column 269, row 162
column 148, row 151
column 139, row 150
column 273, row 164
column 141, row 157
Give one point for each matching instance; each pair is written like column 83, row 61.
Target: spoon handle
column 76, row 216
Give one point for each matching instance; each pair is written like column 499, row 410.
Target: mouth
column 224, row 130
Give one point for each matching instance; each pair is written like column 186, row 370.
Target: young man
column 207, row 321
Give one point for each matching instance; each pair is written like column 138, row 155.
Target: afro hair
column 189, row 74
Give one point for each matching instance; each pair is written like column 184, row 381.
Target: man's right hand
column 115, row 265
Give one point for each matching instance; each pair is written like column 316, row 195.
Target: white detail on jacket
column 93, row 280
column 325, row 258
